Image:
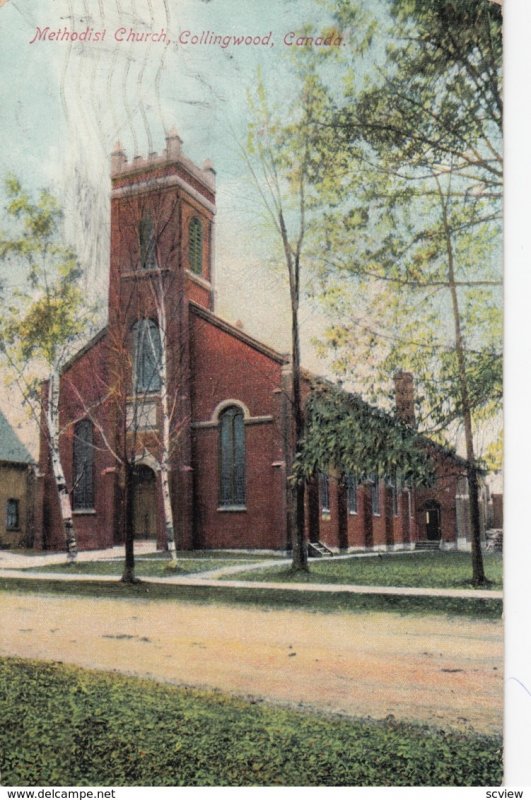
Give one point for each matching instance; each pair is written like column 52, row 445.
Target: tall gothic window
column 375, row 494
column 395, row 486
column 232, row 457
column 148, row 355
column 324, row 491
column 352, row 494
column 83, row 465
column 195, row 246
column 148, row 256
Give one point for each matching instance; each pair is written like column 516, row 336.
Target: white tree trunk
column 165, row 413
column 52, row 421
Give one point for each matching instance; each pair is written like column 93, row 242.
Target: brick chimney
column 118, row 159
column 173, row 144
column 405, row 397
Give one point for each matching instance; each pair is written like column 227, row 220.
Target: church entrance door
column 433, row 521
column 144, row 503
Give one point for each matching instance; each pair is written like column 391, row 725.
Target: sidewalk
column 10, row 560
column 11, row 566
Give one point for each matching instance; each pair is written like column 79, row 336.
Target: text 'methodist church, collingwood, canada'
column 227, row 397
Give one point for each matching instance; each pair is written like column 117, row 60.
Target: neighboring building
column 495, row 506
column 16, row 489
column 229, row 427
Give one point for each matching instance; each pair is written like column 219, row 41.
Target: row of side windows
column 148, row 244
column 231, row 461
column 232, row 468
column 351, row 483
column 352, row 493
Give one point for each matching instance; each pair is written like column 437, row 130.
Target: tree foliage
column 42, row 318
column 410, row 266
column 346, row 433
column 418, row 162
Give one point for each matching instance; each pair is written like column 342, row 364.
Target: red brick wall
column 329, row 522
column 225, row 368
column 84, row 386
column 443, row 492
column 356, row 522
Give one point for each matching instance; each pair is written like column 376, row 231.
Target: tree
column 358, row 439
column 280, row 159
column 330, row 429
column 44, row 319
column 129, row 401
column 414, row 226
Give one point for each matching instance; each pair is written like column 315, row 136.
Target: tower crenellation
column 162, row 218
column 172, row 154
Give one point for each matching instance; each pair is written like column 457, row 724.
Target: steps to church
column 318, row 550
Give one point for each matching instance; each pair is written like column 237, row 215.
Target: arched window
column 83, row 465
column 148, row 256
column 148, row 355
column 232, row 457
column 324, row 492
column 352, row 493
column 394, row 484
column 195, row 246
column 375, row 493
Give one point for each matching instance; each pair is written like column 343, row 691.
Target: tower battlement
column 122, row 169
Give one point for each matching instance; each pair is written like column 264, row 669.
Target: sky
column 65, row 104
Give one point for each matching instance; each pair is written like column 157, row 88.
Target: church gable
column 186, row 415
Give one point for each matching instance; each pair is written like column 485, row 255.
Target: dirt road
column 445, row 672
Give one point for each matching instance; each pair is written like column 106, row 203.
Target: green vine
column 345, row 433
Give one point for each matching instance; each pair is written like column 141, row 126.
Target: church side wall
column 447, row 472
column 83, row 388
column 225, row 368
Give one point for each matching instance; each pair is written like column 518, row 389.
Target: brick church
column 168, row 381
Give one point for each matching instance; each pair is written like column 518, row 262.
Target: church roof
column 11, row 448
column 225, row 326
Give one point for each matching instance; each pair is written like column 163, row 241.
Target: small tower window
column 195, row 246
column 148, row 256
column 147, row 355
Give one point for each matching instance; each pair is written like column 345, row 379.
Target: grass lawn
column 314, row 602
column 214, row 555
column 66, row 726
column 151, row 568
column 449, row 570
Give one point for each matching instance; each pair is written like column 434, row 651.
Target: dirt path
column 444, row 672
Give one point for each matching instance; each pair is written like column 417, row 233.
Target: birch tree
column 45, row 319
column 155, row 216
column 167, row 411
column 148, row 361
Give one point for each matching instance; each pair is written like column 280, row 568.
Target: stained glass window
column 232, row 457
column 148, row 356
column 83, row 465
